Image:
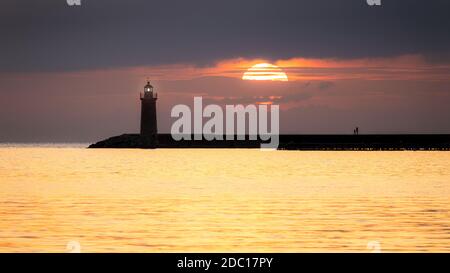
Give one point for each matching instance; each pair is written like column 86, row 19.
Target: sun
column 265, row 72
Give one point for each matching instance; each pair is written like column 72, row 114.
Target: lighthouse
column 149, row 127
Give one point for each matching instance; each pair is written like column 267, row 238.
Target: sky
column 74, row 73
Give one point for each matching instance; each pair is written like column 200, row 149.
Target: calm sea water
column 195, row 200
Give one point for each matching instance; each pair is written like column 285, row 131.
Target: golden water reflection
column 222, row 200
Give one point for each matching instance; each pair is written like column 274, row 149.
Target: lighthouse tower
column 149, row 127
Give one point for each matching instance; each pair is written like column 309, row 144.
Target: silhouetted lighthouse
column 149, row 126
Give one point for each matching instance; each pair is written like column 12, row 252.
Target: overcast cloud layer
column 49, row 35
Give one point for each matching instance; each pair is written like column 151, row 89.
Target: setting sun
column 265, row 72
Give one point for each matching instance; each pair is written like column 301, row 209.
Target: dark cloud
column 48, row 35
column 325, row 85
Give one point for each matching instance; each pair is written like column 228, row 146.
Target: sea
column 67, row 198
